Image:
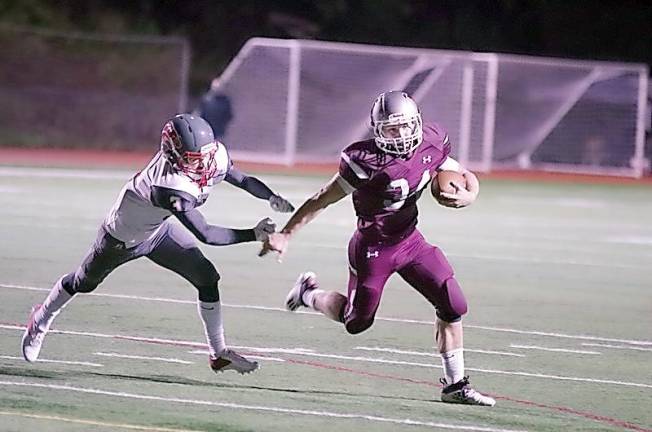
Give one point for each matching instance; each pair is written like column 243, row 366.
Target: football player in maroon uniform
column 386, row 176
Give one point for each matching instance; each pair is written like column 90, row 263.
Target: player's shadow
column 170, row 379
column 27, row 373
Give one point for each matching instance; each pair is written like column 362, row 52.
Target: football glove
column 263, row 229
column 280, row 204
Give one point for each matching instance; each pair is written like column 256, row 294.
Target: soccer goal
column 302, row 101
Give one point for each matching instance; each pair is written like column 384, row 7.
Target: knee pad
column 210, row 292
column 67, row 283
column 79, row 282
column 358, row 324
column 454, row 302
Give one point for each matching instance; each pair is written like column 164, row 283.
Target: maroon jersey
column 386, row 187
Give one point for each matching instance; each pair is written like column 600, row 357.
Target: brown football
column 442, row 182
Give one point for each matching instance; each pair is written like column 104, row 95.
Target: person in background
column 215, row 108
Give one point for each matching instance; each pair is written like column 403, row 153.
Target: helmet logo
column 171, row 134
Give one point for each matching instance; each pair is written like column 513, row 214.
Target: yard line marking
column 206, row 352
column 136, row 357
column 78, row 363
column 564, row 350
column 262, row 408
column 338, row 357
column 506, row 258
column 559, row 335
column 433, row 354
column 617, row 346
column 564, row 409
column 255, row 357
column 311, row 353
column 95, row 422
column 266, row 350
column 399, row 320
column 65, row 173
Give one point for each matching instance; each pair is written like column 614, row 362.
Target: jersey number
column 405, row 190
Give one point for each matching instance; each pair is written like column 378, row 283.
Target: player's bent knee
column 84, row 285
column 209, row 289
column 358, row 324
column 206, row 276
column 455, row 305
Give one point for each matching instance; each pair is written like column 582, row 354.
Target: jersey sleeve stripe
column 446, row 140
column 345, row 185
column 355, row 167
column 450, row 164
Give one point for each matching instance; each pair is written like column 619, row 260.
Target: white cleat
column 305, row 282
column 230, row 360
column 461, row 392
column 33, row 338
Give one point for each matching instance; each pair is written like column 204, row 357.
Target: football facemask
column 398, row 136
column 199, row 166
column 396, row 123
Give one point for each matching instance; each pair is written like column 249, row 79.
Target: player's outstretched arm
column 327, row 195
column 258, row 189
column 221, row 236
column 183, row 206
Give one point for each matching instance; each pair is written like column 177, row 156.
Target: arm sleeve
column 248, row 183
column 182, row 206
column 212, row 234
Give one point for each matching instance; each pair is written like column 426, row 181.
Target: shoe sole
column 30, row 321
column 303, row 277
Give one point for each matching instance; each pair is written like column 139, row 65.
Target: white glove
column 280, row 204
column 263, row 229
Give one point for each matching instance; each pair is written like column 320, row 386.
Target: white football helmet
column 396, row 110
column 396, row 122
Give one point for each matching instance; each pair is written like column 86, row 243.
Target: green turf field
column 558, row 279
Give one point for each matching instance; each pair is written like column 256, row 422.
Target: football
column 442, row 182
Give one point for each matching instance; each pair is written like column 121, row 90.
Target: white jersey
column 135, row 217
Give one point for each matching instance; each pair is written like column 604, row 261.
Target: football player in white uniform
column 175, row 182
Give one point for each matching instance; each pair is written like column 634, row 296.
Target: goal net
column 303, row 101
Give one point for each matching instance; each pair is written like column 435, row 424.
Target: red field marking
column 73, row 158
column 567, row 410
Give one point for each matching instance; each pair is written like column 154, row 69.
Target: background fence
column 84, row 90
column 302, row 101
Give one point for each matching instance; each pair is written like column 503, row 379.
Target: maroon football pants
column 419, row 263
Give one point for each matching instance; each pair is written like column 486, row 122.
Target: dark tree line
column 589, row 29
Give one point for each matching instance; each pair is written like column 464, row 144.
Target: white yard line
column 255, row 357
column 505, row 258
column 77, row 363
column 433, row 354
column 65, row 173
column 260, row 408
column 564, row 350
column 302, row 352
column 94, row 422
column 148, row 358
column 399, row 320
column 626, row 347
